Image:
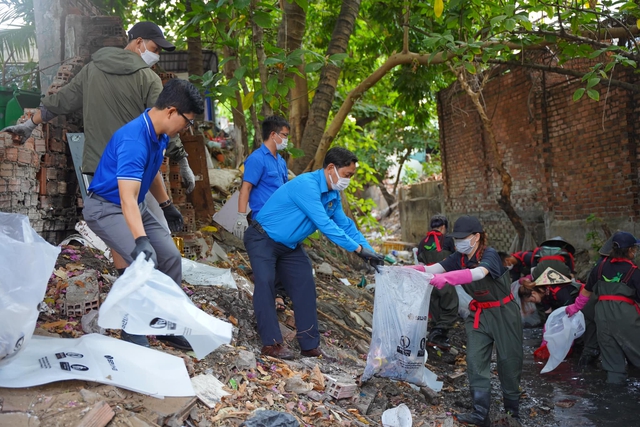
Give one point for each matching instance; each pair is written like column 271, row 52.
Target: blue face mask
column 464, row 246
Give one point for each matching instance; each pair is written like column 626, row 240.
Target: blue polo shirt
column 134, row 153
column 305, row 205
column 267, row 173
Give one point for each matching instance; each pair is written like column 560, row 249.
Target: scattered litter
column 208, row 389
column 101, row 359
column 262, row 418
column 145, row 301
column 345, row 281
column 90, row 325
column 325, row 269
column 25, row 266
column 92, row 239
column 199, row 274
column 400, row 416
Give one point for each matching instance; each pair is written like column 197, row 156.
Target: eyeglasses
column 190, row 122
column 286, row 135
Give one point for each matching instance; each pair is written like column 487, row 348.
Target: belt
column 258, row 227
column 478, row 306
column 96, row 197
column 621, row 299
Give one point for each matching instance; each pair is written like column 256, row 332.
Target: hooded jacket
column 112, row 90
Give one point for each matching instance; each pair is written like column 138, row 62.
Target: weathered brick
column 11, row 154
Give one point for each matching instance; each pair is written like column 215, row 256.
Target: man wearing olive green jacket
column 112, row 90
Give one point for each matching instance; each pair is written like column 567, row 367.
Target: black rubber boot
column 588, row 358
column 512, row 407
column 481, row 405
column 438, row 338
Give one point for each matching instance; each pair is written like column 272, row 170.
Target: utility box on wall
column 417, row 204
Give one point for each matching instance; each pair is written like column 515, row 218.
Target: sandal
column 280, row 304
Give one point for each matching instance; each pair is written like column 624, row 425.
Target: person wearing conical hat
column 615, row 281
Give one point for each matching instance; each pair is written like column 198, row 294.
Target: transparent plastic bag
column 560, row 332
column 145, row 301
column 26, row 264
column 400, row 316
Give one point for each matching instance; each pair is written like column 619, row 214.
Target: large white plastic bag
column 94, row 357
column 26, row 263
column 145, row 301
column 560, row 331
column 400, row 316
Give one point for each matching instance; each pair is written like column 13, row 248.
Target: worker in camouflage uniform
column 496, row 319
column 615, row 280
column 443, row 306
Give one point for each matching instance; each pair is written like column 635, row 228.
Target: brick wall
column 567, row 159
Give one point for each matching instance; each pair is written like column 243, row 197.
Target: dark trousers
column 270, row 259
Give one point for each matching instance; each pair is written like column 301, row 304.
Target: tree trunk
column 258, row 43
column 257, row 137
column 495, row 160
column 325, row 92
column 195, row 60
column 239, row 121
column 400, row 165
column 290, row 34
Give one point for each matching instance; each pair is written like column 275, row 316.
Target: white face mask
column 464, row 246
column 342, row 183
column 149, row 57
column 283, row 144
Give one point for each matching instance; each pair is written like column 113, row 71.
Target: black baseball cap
column 464, row 226
column 623, row 240
column 559, row 242
column 150, row 31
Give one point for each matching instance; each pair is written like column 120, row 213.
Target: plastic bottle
column 415, row 256
column 405, row 255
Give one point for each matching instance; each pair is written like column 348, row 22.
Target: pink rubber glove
column 527, row 277
column 456, row 277
column 578, row 305
column 415, row 267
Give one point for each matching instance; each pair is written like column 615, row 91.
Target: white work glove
column 23, row 130
column 187, row 174
column 241, row 225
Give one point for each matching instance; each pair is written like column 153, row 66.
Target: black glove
column 143, row 246
column 374, row 259
column 173, row 217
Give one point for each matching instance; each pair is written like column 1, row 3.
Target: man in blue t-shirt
column 129, row 168
column 274, row 244
column 264, row 172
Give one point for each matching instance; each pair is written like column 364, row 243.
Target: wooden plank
column 98, row 416
column 200, row 197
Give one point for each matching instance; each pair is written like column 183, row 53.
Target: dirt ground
column 300, row 388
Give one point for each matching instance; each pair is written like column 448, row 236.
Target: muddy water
column 576, row 398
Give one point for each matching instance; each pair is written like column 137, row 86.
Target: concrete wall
column 417, row 204
column 567, row 159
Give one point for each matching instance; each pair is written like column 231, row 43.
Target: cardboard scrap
column 208, row 389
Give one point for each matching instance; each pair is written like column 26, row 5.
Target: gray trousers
column 107, row 221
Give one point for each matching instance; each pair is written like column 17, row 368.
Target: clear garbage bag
column 145, row 301
column 400, row 316
column 26, row 264
column 560, row 332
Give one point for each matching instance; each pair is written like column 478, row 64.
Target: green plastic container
column 15, row 106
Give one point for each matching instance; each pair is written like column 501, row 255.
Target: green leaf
column 592, row 82
column 303, row 4
column 296, row 153
column 239, row 73
column 510, row 24
column 261, row 19
column 337, row 57
column 578, row 94
column 593, row 94
column 496, row 20
column 272, row 60
column 225, row 60
column 283, row 90
column 471, row 69
column 272, row 84
column 312, row 66
column 247, row 101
